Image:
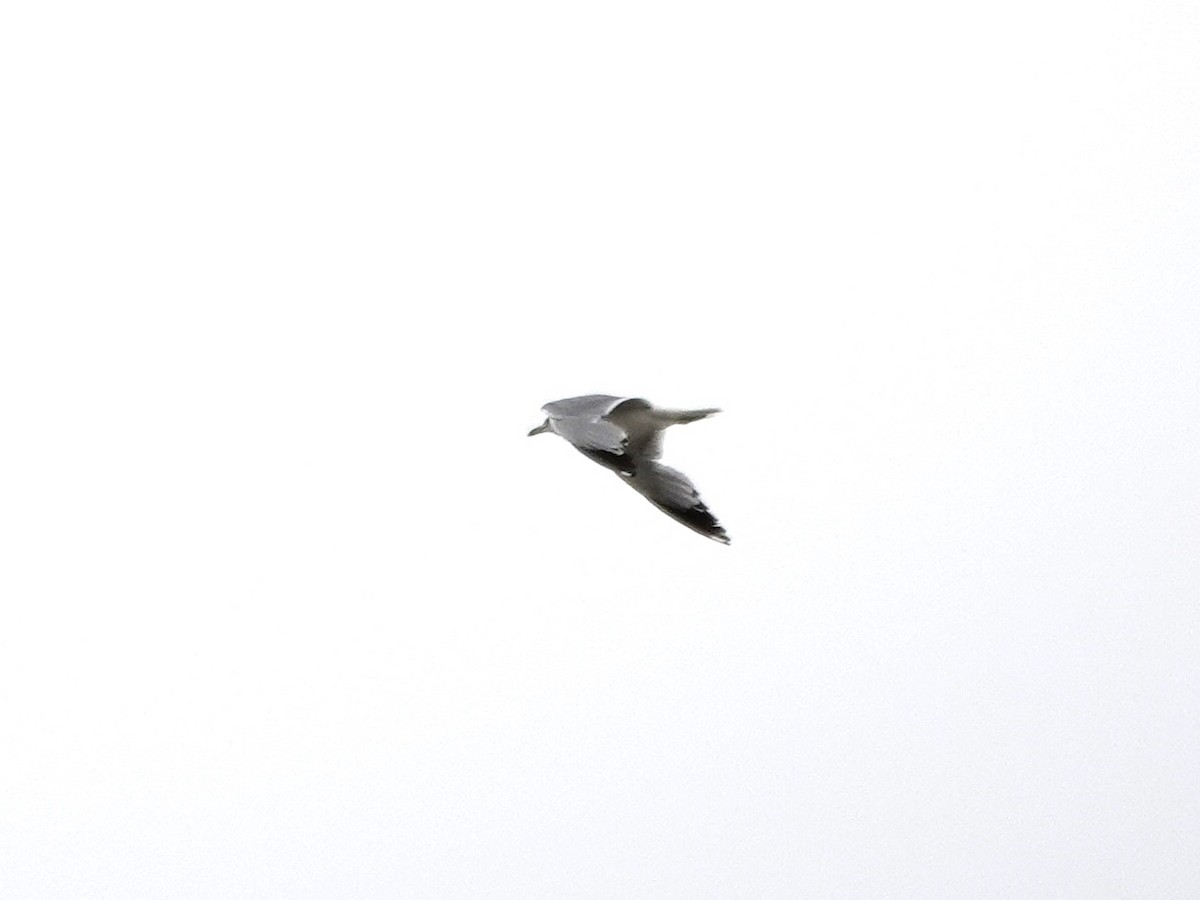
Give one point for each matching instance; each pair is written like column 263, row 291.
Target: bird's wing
column 643, row 429
column 672, row 492
column 589, row 406
column 598, row 439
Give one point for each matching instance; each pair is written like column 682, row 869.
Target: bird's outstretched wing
column 599, row 440
column 672, row 492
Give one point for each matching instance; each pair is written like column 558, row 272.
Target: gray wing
column 672, row 492
column 591, row 406
column 642, row 425
column 598, row 439
column 584, row 422
column 591, row 434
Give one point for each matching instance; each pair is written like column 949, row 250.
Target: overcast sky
column 292, row 607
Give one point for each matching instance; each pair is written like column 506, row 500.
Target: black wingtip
column 699, row 519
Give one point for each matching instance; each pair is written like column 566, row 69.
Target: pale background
column 293, row 608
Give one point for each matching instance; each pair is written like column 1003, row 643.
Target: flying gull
column 624, row 434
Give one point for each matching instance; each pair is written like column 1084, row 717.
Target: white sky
column 293, row 608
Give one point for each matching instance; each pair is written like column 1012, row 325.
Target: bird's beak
column 545, row 426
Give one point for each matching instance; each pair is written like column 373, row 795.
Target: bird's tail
column 683, row 416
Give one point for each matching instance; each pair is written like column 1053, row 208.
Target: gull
column 624, row 434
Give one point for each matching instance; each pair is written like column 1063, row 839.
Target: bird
column 624, row 434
